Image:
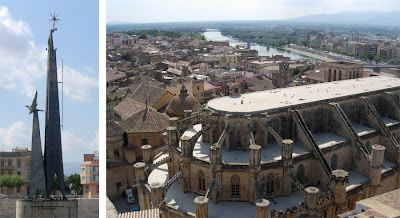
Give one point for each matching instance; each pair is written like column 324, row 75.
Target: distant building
column 16, row 162
column 90, row 175
column 342, row 70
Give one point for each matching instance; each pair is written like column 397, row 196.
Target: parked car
column 129, row 196
column 3, row 196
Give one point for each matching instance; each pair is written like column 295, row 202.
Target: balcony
column 6, row 167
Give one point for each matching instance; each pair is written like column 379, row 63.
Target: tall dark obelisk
column 53, row 160
column 37, row 183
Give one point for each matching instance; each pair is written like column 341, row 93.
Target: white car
column 129, row 196
column 3, row 196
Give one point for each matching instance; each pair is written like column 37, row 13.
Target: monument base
column 46, row 208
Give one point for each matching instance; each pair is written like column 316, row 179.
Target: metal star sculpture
column 54, row 19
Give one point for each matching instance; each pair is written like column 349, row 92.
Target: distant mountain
column 377, row 18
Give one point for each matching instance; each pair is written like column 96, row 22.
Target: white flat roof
column 279, row 98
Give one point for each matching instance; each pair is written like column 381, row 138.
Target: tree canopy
column 11, row 181
column 74, row 181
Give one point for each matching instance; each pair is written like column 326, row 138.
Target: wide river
column 215, row 35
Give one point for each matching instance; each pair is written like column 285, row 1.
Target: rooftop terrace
column 264, row 101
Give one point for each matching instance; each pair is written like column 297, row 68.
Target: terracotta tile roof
column 259, row 83
column 128, row 107
column 113, row 129
column 208, row 87
column 148, row 93
column 113, row 75
column 146, row 120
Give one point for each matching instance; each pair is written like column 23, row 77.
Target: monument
column 37, row 184
column 44, row 169
column 53, row 164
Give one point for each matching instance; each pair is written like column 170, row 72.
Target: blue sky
column 24, row 28
column 210, row 10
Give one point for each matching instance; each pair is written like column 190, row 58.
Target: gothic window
column 202, row 181
column 301, row 174
column 334, row 161
column 235, row 186
column 145, row 141
column 270, row 183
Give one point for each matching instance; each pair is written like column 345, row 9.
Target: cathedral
column 310, row 150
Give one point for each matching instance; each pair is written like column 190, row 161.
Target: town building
column 341, row 70
column 120, row 160
column 325, row 145
column 16, row 163
column 90, row 175
column 152, row 96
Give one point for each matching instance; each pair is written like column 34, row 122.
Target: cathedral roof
column 113, row 129
column 146, row 120
column 183, row 102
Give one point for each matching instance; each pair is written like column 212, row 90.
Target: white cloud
column 73, row 145
column 17, row 134
column 76, row 85
column 21, row 61
column 23, row 64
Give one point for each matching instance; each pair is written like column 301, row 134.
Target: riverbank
column 308, row 54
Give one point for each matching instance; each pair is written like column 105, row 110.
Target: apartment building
column 90, row 175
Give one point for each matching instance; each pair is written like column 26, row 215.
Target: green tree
column 74, row 182
column 56, row 186
column 305, row 42
column 11, row 181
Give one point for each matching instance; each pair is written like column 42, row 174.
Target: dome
column 182, row 102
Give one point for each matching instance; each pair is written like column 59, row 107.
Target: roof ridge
column 151, row 116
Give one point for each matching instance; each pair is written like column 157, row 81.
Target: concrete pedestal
column 46, row 208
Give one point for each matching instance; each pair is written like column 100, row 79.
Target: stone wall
column 86, row 208
column 124, row 174
column 7, row 208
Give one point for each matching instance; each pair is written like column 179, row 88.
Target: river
column 215, row 35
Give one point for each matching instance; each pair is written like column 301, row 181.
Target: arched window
column 334, row 75
column 145, row 141
column 301, row 174
column 202, row 181
column 270, row 183
column 334, row 161
column 235, row 186
column 329, row 75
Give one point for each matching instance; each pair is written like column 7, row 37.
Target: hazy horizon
column 157, row 11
